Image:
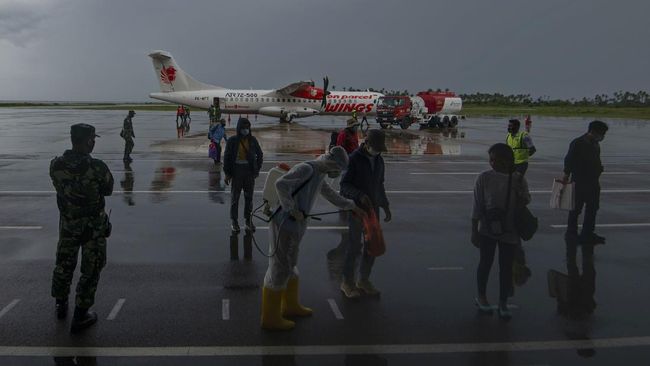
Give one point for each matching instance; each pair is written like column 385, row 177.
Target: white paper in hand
column 562, row 196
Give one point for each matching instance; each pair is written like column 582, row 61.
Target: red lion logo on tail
column 167, row 75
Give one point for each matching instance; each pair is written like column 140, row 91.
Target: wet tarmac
column 179, row 285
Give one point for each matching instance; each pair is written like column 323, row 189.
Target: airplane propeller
column 326, row 82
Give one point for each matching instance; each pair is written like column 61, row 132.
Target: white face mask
column 245, row 131
column 372, row 151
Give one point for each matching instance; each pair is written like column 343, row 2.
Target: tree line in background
column 618, row 99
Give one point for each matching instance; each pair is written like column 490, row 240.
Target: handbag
column 374, row 237
column 525, row 222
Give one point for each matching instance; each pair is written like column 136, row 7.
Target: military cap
column 82, row 130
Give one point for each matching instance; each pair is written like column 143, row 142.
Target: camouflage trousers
column 128, row 146
column 89, row 234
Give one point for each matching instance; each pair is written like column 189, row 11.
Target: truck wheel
column 405, row 123
column 445, row 121
column 454, row 121
column 434, row 122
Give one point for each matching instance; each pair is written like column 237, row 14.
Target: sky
column 91, row 50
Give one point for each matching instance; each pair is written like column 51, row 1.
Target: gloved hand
column 366, row 203
column 227, row 180
column 359, row 212
column 389, row 215
column 297, row 214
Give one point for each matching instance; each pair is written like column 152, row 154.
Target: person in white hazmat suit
column 297, row 191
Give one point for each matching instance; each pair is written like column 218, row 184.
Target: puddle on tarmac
column 299, row 139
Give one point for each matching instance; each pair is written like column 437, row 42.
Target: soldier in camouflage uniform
column 128, row 135
column 81, row 183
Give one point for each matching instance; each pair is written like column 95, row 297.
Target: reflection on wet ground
column 299, row 139
column 216, row 186
column 162, row 181
column 241, row 275
column 574, row 293
column 127, row 182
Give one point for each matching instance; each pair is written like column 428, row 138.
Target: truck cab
column 394, row 110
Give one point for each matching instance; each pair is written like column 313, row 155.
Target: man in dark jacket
column 242, row 162
column 582, row 164
column 363, row 182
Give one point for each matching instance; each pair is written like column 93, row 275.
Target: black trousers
column 587, row 194
column 506, row 259
column 242, row 179
column 521, row 168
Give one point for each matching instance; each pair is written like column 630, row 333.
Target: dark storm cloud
column 96, row 50
column 19, row 21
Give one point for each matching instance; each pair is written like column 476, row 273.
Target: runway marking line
column 116, row 309
column 318, row 350
column 8, row 308
column 335, row 309
column 21, row 227
column 225, row 309
column 607, row 225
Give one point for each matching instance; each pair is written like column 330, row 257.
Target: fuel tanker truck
column 429, row 109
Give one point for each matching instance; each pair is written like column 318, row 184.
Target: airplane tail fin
column 171, row 77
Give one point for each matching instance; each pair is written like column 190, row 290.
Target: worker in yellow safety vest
column 521, row 144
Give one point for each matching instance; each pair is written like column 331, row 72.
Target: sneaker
column 504, row 312
column 366, row 287
column 592, row 239
column 483, row 307
column 598, row 239
column 349, row 290
column 234, row 226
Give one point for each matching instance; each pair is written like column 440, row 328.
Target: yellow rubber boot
column 290, row 303
column 271, row 311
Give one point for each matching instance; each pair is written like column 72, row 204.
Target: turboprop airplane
column 296, row 100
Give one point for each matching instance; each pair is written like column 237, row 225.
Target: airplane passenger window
column 246, row 100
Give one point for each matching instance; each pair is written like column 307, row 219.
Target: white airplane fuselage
column 268, row 102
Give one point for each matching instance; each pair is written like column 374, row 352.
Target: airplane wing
column 294, row 87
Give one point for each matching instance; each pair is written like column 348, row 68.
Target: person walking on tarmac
column 187, row 119
column 81, row 182
column 180, row 113
column 521, row 144
column 216, row 134
column 363, row 182
column 211, row 115
column 242, row 161
column 347, row 137
column 297, row 191
column 354, row 114
column 582, row 164
column 128, row 135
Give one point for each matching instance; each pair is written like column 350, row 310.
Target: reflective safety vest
column 518, row 146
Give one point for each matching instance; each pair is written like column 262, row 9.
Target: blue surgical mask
column 245, row 131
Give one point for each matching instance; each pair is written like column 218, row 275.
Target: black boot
column 82, row 319
column 61, row 308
